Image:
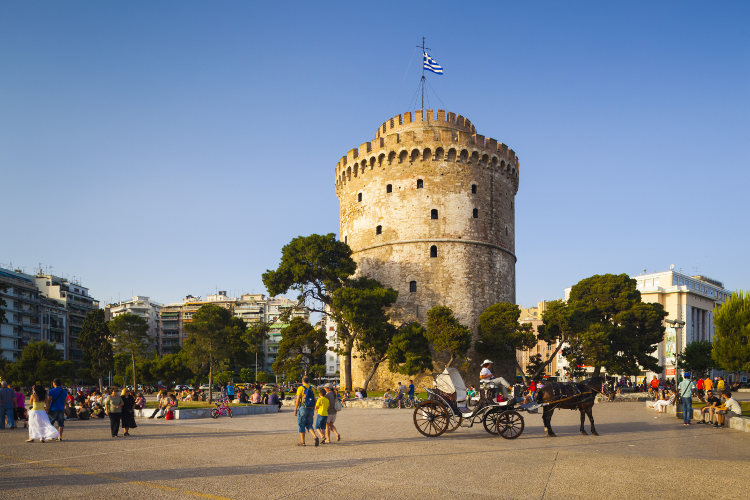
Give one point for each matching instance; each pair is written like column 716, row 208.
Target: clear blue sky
column 172, row 148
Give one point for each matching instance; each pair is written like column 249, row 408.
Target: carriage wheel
column 490, row 420
column 510, row 424
column 454, row 423
column 431, row 418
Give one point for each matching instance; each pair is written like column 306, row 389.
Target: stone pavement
column 639, row 454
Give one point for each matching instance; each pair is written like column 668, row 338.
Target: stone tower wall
column 431, row 163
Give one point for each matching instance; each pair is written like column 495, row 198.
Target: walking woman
column 113, row 408
column 128, row 414
column 39, row 425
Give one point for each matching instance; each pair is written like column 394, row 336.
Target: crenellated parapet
column 427, row 137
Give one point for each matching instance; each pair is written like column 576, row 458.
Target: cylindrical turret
column 427, row 208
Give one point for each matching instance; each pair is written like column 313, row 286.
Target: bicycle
column 222, row 408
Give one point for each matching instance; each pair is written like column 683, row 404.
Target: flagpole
column 423, row 74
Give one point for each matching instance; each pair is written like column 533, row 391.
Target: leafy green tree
column 121, row 365
column 731, row 347
column 301, row 350
column 238, row 350
column 320, row 268
column 246, row 374
column 207, row 346
column 130, row 335
column 501, row 335
column 446, row 334
column 95, row 344
column 224, row 377
column 255, row 335
column 617, row 331
column 535, row 367
column 363, row 322
column 696, row 358
column 264, row 378
column 409, row 350
column 172, row 368
column 39, row 362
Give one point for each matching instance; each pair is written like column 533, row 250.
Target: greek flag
column 432, row 65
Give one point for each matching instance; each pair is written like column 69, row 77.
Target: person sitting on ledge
column 730, row 408
column 712, row 402
column 661, row 405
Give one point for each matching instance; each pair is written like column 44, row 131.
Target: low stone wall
column 629, row 397
column 738, row 423
column 191, row 413
column 364, row 403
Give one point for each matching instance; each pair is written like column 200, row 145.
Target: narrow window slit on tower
column 473, row 189
column 433, row 213
column 475, row 214
column 359, row 196
column 412, row 286
column 389, row 188
column 433, row 251
column 420, row 183
column 379, row 230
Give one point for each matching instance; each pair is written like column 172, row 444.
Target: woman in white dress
column 39, row 425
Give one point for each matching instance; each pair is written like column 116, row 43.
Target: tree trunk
column 450, row 362
column 348, row 365
column 375, row 366
column 549, row 360
column 523, row 375
column 132, row 357
column 100, row 384
column 210, row 375
column 597, row 371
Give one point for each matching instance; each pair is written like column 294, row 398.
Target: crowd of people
column 719, row 403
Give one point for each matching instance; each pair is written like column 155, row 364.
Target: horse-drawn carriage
column 446, row 409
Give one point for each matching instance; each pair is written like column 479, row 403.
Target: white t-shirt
column 733, row 405
column 485, row 371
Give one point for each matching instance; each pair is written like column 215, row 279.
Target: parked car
column 269, row 387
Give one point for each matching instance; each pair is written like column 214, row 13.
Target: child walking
column 321, row 407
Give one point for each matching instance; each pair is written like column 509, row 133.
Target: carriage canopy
column 450, row 381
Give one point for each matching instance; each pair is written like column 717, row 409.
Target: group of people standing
column 305, row 408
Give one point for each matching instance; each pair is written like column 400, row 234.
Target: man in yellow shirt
column 708, row 384
column 321, row 406
column 720, row 385
column 304, row 407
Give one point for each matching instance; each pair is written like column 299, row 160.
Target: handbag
column 338, row 406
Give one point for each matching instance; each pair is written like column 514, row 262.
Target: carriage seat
column 465, row 412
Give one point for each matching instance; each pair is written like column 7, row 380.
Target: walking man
column 7, row 406
column 685, row 390
column 57, row 396
column 304, row 409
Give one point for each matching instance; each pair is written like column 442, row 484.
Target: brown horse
column 571, row 396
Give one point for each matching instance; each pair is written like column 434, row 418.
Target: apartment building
column 145, row 308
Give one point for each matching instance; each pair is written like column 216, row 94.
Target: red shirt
column 699, row 384
column 655, row 383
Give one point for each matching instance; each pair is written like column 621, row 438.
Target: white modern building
column 145, row 308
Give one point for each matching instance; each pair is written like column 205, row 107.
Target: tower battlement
column 435, row 137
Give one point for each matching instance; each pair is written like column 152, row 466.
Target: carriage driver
column 486, row 374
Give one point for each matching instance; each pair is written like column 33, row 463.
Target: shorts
column 57, row 416
column 727, row 413
column 305, row 419
column 320, row 423
column 331, row 418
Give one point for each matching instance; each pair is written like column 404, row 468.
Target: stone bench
column 191, row 413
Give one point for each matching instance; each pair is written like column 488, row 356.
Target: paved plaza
column 639, row 454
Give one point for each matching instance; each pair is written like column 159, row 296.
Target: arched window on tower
column 413, row 287
column 475, row 213
column 420, row 183
column 389, row 188
column 433, row 251
column 359, row 196
column 473, row 189
column 379, row 230
column 433, row 213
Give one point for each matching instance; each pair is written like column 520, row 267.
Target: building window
column 433, row 213
column 473, row 189
column 475, row 213
column 433, row 251
column 420, row 183
column 359, row 196
column 345, row 239
column 389, row 188
column 379, row 230
column 413, row 287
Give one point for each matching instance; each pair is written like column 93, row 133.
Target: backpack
column 309, row 400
